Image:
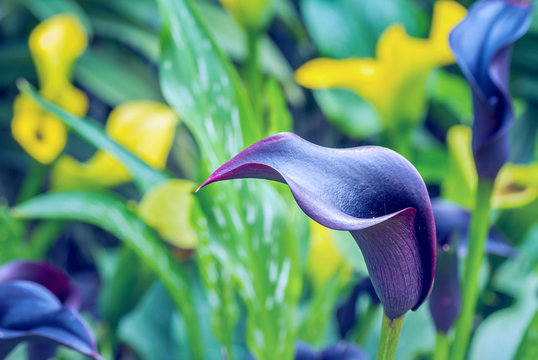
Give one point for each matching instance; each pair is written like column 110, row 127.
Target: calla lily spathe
column 481, row 44
column 55, row 45
column 373, row 192
column 395, row 81
column 144, row 127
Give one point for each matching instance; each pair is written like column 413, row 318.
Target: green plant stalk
column 365, row 324
column 477, row 237
column 440, row 352
column 254, row 74
column 388, row 340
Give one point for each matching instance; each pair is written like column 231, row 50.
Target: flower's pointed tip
column 210, row 180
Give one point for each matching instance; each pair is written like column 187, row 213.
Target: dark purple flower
column 346, row 315
column 452, row 222
column 56, row 281
column 371, row 191
column 340, row 351
column 36, row 306
column 481, row 44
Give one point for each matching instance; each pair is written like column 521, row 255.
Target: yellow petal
column 68, row 98
column 446, row 15
column 55, row 44
column 167, row 208
column 144, row 127
column 324, row 260
column 460, row 184
column 366, row 77
column 42, row 135
column 515, row 186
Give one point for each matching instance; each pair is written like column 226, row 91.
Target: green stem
column 254, row 74
column 441, row 347
column 477, row 237
column 388, row 340
column 365, row 324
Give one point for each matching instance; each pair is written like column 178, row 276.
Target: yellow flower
column 144, row 127
column 395, row 81
column 252, row 14
column 324, row 260
column 167, row 208
column 515, row 186
column 55, row 44
column 460, row 184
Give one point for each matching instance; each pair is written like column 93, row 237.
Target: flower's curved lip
column 343, row 221
column 332, row 217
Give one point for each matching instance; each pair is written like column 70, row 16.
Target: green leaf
column 321, row 310
column 279, row 119
column 528, row 348
column 121, row 293
column 144, row 175
column 113, row 216
column 45, row 9
column 251, row 242
column 115, row 77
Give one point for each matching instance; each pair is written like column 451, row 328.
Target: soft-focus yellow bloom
column 146, row 128
column 515, row 186
column 252, row 14
column 460, row 184
column 55, row 44
column 324, row 261
column 167, row 208
column 395, row 81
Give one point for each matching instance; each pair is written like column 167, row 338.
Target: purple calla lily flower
column 52, row 278
column 371, row 191
column 37, row 305
column 481, row 44
column 340, row 351
column 451, row 220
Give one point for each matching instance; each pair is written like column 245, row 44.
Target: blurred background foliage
column 248, row 272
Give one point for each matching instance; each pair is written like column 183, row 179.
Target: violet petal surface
column 29, row 312
column 44, row 274
column 371, row 191
column 481, row 44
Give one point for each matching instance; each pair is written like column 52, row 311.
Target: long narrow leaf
column 144, row 175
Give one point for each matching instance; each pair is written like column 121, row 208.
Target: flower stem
column 254, row 74
column 440, row 352
column 477, row 237
column 388, row 340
